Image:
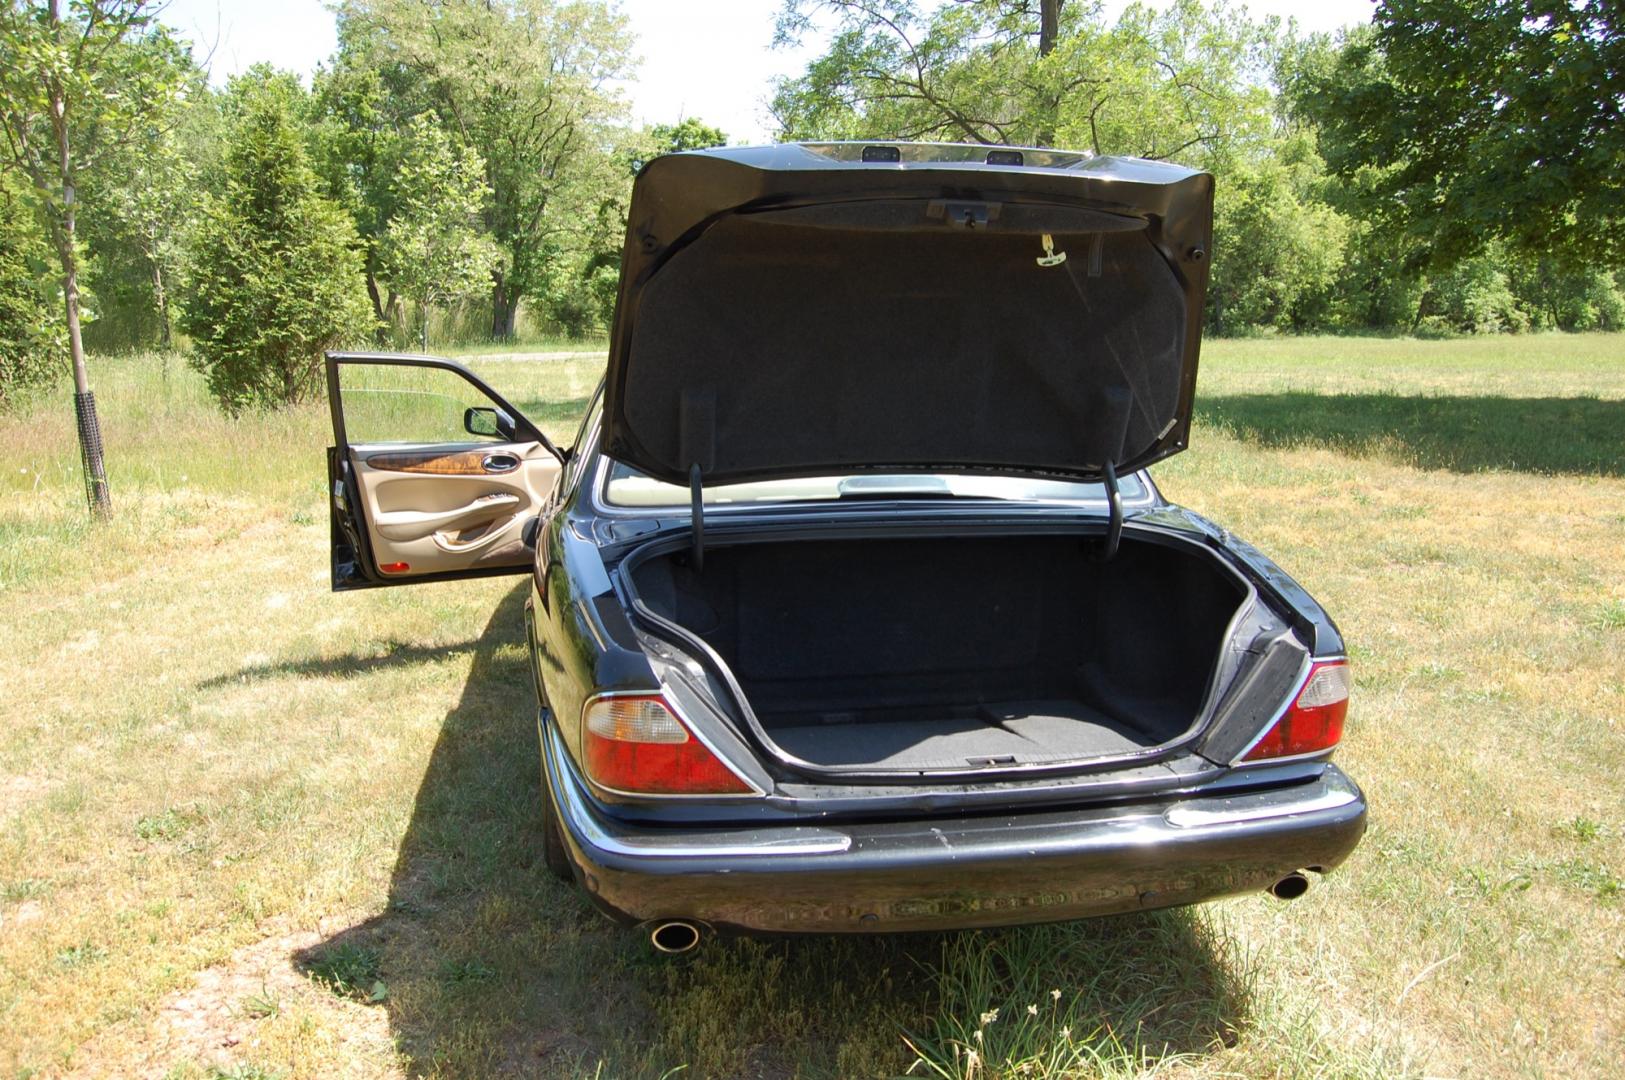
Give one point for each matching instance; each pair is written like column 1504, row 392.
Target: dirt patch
column 29, row 911
column 18, row 792
column 220, row 1019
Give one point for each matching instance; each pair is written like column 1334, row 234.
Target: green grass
column 249, row 828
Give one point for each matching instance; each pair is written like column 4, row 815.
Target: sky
column 707, row 58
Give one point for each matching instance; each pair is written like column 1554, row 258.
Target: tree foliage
column 277, row 275
column 1280, row 249
column 433, row 250
column 141, row 203
column 361, row 118
column 1154, row 84
column 1453, row 168
column 691, row 133
column 526, row 83
column 33, row 347
column 1345, row 198
column 1462, row 121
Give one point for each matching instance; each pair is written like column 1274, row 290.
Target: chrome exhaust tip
column 1290, row 887
column 675, row 937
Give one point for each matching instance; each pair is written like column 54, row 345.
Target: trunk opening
column 949, row 653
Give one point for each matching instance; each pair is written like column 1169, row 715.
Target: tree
column 583, row 280
column 1468, row 120
column 1181, row 83
column 1559, row 296
column 74, row 88
column 277, row 276
column 1279, row 250
column 690, row 133
column 362, row 113
column 144, row 202
column 31, row 340
column 526, row 83
column 432, row 249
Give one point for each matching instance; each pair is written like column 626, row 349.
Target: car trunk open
column 945, row 653
column 792, row 311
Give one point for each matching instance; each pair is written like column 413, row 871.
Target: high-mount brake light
column 1314, row 721
column 638, row 745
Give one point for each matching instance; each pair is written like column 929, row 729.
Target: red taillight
column 637, row 744
column 1315, row 720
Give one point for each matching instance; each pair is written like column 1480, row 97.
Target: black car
column 854, row 607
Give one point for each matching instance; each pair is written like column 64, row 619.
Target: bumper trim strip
column 1266, row 804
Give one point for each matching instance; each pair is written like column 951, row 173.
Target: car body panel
column 959, row 871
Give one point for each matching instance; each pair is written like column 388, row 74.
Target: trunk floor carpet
column 1012, row 732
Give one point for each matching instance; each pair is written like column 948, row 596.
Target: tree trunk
column 1049, row 28
column 1421, row 309
column 381, row 332
column 504, row 305
column 1049, row 25
column 84, row 402
column 159, row 293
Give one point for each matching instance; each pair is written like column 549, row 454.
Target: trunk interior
column 953, row 653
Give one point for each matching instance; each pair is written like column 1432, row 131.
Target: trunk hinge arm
column 696, row 500
column 1114, row 504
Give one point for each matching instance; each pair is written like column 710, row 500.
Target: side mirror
column 489, row 422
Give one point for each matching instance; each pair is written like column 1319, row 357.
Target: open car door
column 432, row 475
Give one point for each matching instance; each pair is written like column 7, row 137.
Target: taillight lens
column 637, row 744
column 1315, row 720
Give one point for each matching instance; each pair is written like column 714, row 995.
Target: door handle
column 499, row 463
column 416, row 524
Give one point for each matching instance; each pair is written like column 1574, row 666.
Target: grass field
column 251, row 829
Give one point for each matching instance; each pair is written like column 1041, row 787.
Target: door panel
column 434, row 476
column 425, row 518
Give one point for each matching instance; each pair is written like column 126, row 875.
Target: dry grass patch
column 248, row 828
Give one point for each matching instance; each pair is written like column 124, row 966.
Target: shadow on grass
column 488, row 966
column 395, row 654
column 1584, row 436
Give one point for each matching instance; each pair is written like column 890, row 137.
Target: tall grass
column 172, row 454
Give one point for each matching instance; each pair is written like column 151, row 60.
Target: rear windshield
column 626, row 486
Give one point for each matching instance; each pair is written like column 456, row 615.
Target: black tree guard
column 90, row 452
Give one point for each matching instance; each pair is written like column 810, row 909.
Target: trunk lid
column 805, row 309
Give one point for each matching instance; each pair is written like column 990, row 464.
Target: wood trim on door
column 434, row 462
